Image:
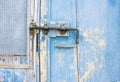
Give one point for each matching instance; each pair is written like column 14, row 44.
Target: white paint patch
column 43, row 59
column 52, row 22
column 101, row 43
column 89, row 72
column 44, row 8
column 94, row 51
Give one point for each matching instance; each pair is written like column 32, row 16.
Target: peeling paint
column 85, row 34
column 89, row 72
column 52, row 22
column 76, row 62
column 43, row 62
column 101, row 43
column 95, row 40
column 43, row 8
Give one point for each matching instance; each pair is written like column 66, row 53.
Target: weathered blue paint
column 19, row 75
column 99, row 51
column 8, row 75
column 62, row 59
column 30, row 75
column 5, row 75
column 98, row 23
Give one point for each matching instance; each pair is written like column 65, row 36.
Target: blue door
column 58, row 55
column 99, row 52
column 58, row 52
column 54, row 55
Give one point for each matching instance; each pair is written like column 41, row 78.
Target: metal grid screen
column 13, row 27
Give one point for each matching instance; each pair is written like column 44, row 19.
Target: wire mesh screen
column 13, row 27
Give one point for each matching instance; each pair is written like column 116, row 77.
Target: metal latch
column 62, row 30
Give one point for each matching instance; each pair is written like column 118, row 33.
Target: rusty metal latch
column 62, row 30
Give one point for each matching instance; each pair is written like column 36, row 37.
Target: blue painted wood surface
column 99, row 51
column 98, row 22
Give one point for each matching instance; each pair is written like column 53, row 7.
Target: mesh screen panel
column 13, row 27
